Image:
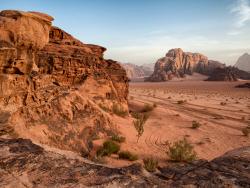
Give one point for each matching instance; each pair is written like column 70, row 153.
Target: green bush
column 119, row 110
column 118, row 138
column 127, row 155
column 195, row 125
column 150, row 164
column 181, row 151
column 109, row 147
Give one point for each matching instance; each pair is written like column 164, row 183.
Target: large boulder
column 177, row 63
column 54, row 87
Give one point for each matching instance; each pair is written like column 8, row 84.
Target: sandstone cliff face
column 177, row 63
column 52, row 85
column 243, row 63
column 24, row 164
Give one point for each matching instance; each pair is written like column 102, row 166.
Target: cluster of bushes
column 112, row 146
column 181, row 151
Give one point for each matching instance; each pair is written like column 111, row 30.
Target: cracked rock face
column 24, row 164
column 52, row 85
column 177, row 63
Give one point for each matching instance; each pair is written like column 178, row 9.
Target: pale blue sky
column 141, row 31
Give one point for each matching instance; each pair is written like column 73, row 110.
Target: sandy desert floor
column 220, row 108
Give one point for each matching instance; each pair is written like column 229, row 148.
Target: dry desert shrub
column 181, row 101
column 118, row 138
column 181, row 151
column 150, row 164
column 139, row 124
column 109, row 147
column 147, row 108
column 195, row 125
column 119, row 110
column 127, row 155
column 223, row 103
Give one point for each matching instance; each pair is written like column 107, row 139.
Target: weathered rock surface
column 136, row 71
column 177, row 63
column 52, row 85
column 243, row 63
column 228, row 74
column 24, row 164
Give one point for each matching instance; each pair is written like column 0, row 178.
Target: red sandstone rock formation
column 177, row 63
column 52, row 85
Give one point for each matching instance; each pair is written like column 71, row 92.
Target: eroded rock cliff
column 177, row 63
column 52, row 85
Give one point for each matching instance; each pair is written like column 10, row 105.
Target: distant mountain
column 178, row 64
column 243, row 62
column 135, row 71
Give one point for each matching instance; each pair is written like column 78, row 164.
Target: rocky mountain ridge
column 243, row 63
column 137, row 71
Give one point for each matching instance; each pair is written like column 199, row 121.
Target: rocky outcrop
column 177, row 63
column 223, row 74
column 246, row 85
column 243, row 63
column 228, row 74
column 136, row 71
column 24, row 164
column 52, row 85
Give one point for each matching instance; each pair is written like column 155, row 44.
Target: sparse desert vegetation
column 119, row 110
column 195, row 124
column 217, row 127
column 150, row 164
column 139, row 124
column 181, row 151
column 127, row 155
column 118, row 138
column 109, row 147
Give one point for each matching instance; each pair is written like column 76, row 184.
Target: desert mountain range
column 138, row 71
column 59, row 97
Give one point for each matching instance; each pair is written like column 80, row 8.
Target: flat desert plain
column 221, row 109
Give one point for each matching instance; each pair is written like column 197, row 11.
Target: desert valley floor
column 220, row 108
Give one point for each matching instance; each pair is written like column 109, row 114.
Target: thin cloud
column 242, row 11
